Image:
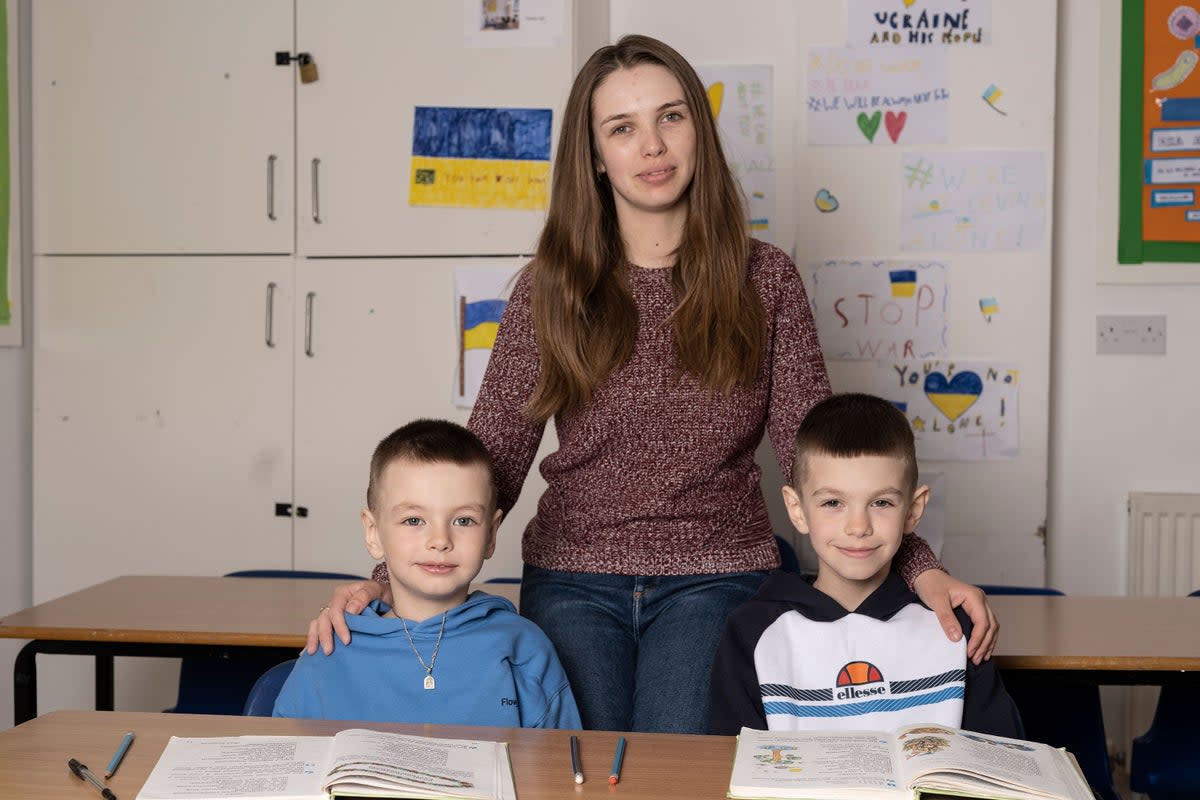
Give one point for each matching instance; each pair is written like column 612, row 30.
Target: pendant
column 429, row 682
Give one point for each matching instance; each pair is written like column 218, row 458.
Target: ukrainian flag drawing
column 904, row 282
column 480, row 157
column 481, row 320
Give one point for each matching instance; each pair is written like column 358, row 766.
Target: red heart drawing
column 895, row 123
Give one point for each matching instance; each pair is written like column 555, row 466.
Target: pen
column 578, row 770
column 85, row 774
column 117, row 756
column 615, row 775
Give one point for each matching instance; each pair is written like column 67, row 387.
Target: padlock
column 308, row 68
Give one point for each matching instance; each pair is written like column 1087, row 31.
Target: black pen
column 575, row 767
column 85, row 774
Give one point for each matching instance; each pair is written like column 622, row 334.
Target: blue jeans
column 637, row 650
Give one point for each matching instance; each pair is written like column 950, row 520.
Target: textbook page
column 938, row 757
column 372, row 763
column 799, row 764
column 219, row 768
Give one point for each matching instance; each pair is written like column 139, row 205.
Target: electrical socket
column 1128, row 334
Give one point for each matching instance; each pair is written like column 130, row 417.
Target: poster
column 480, row 296
column 480, row 157
column 932, row 23
column 973, row 200
column 880, row 309
column 742, row 102
column 959, row 410
column 893, row 96
column 1160, row 151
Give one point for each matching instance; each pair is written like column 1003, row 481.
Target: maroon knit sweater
column 656, row 476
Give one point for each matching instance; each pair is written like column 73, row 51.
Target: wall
column 1118, row 423
column 15, row 450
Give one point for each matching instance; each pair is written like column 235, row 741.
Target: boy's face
column 435, row 523
column 854, row 511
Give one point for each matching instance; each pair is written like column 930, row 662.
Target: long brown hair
column 583, row 312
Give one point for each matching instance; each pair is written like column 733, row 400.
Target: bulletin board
column 1160, row 133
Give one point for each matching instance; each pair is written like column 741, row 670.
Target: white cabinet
column 162, row 127
column 382, row 350
column 162, row 417
column 354, row 129
column 174, row 166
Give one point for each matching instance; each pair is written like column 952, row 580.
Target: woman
column 663, row 341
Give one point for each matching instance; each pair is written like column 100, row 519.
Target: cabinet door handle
column 316, row 190
column 271, row 159
column 308, row 324
column 271, row 314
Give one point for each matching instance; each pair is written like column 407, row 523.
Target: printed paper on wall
column 514, row 23
column 973, row 200
column 930, row 23
column 480, row 157
column 881, row 97
column 880, row 309
column 741, row 100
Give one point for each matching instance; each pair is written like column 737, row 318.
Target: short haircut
column 850, row 425
column 428, row 441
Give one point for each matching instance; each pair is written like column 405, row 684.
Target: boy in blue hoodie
column 441, row 653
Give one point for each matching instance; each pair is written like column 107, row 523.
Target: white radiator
column 1164, row 544
column 1164, row 561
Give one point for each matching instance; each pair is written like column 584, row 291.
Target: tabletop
column 33, row 756
column 1037, row 632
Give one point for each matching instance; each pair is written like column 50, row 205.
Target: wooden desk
column 33, row 756
column 1114, row 640
column 166, row 616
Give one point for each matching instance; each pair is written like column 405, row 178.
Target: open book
column 909, row 762
column 353, row 763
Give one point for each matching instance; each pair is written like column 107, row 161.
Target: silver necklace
column 429, row 683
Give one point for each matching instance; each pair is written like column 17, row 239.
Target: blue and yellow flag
column 904, row 282
column 480, row 157
column 481, row 320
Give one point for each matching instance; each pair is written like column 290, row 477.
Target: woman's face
column 645, row 140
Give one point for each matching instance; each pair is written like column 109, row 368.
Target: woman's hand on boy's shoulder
column 349, row 598
column 943, row 593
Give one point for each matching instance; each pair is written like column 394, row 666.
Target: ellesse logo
column 860, row 679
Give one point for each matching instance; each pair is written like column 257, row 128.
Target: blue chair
column 1164, row 763
column 261, row 700
column 788, row 561
column 219, row 683
column 1062, row 712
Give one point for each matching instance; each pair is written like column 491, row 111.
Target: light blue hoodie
column 494, row 667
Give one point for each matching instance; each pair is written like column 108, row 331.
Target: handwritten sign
column 959, row 410
column 973, row 200
column 869, row 97
column 932, row 23
column 880, row 309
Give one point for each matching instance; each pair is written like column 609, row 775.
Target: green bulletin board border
column 1131, row 249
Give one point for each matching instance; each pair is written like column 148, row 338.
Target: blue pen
column 615, row 775
column 117, row 756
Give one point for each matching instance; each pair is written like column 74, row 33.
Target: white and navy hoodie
column 792, row 658
column 493, row 667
